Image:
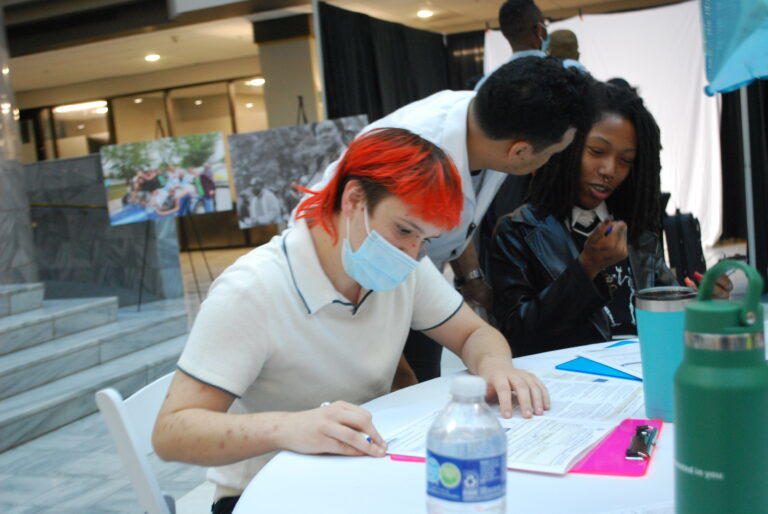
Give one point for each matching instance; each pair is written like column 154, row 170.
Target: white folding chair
column 130, row 422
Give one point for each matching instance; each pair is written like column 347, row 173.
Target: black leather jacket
column 542, row 297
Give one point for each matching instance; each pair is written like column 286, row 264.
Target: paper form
column 625, row 357
column 584, row 410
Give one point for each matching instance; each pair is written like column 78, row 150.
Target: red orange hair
column 404, row 165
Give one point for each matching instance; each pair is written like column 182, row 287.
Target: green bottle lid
column 708, row 316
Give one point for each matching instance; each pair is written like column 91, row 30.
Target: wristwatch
column 472, row 275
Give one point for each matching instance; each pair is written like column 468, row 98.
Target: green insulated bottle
column 721, row 403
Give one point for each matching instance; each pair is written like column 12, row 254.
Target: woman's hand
column 605, row 246
column 340, row 428
column 723, row 285
column 503, row 378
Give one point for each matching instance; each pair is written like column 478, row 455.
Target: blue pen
column 610, row 229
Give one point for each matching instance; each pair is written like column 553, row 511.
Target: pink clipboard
column 609, row 457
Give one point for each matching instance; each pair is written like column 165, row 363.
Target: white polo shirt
column 274, row 332
column 442, row 120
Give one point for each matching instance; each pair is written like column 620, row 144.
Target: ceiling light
column 425, row 13
column 151, row 57
column 6, row 70
column 258, row 81
column 81, row 126
column 101, row 110
column 198, row 102
column 249, row 105
column 6, row 107
column 138, row 100
column 81, row 107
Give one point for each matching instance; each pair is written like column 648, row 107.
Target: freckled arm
column 193, row 426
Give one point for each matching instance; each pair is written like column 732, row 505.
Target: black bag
column 684, row 245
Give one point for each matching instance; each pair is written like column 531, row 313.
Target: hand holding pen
column 723, row 286
column 607, row 245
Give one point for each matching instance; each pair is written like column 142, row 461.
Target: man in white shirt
column 320, row 314
column 526, row 111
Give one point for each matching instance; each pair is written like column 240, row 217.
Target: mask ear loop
column 367, row 227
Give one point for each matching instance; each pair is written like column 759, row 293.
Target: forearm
column 483, row 345
column 209, row 438
column 465, row 262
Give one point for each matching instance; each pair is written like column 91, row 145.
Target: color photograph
column 172, row 176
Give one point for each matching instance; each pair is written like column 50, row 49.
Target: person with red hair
column 300, row 331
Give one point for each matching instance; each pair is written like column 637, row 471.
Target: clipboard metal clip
column 642, row 443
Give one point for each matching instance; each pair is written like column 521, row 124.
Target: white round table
column 293, row 483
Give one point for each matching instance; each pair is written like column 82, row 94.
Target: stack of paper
column 583, row 411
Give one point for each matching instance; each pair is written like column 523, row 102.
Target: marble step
column 56, row 318
column 18, row 298
column 45, row 362
column 42, row 409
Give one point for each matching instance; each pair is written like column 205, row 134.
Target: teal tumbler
column 660, row 326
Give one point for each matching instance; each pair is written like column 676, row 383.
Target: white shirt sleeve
column 228, row 344
column 435, row 300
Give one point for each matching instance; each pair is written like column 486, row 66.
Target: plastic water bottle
column 466, row 454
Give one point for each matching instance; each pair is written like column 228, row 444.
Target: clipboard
column 610, row 456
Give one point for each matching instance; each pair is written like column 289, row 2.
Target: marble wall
column 17, row 258
column 79, row 253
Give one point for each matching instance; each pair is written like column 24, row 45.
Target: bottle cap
column 708, row 316
column 468, row 385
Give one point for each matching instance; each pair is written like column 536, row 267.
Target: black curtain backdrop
column 465, row 59
column 373, row 67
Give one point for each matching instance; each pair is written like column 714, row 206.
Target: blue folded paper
column 584, row 365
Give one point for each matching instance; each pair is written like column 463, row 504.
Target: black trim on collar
column 293, row 277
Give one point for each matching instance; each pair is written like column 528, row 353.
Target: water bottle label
column 466, row 480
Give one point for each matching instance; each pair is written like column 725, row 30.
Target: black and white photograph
column 267, row 164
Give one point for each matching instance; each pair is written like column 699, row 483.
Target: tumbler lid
column 709, row 316
column 665, row 299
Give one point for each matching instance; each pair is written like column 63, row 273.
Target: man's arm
column 193, row 426
column 466, row 268
column 486, row 353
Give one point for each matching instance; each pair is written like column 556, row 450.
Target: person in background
column 320, row 314
column 565, row 46
column 525, row 112
column 565, row 267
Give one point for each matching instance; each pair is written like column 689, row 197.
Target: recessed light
column 6, row 70
column 81, row 107
column 258, row 81
column 81, row 126
column 101, row 110
column 198, row 102
column 249, row 105
column 425, row 13
column 138, row 100
column 151, row 57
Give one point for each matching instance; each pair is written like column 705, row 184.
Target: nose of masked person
column 377, row 264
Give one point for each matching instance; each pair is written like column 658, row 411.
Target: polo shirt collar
column 312, row 284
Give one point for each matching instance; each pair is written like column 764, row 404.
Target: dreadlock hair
column 391, row 161
column 637, row 201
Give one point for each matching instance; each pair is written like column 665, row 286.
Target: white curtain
column 660, row 51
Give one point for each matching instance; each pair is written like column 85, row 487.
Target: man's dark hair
column 554, row 188
column 516, row 17
column 535, row 100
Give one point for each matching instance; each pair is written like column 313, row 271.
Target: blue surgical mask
column 377, row 265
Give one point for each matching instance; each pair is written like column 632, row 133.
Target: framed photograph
column 172, row 176
column 267, row 164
